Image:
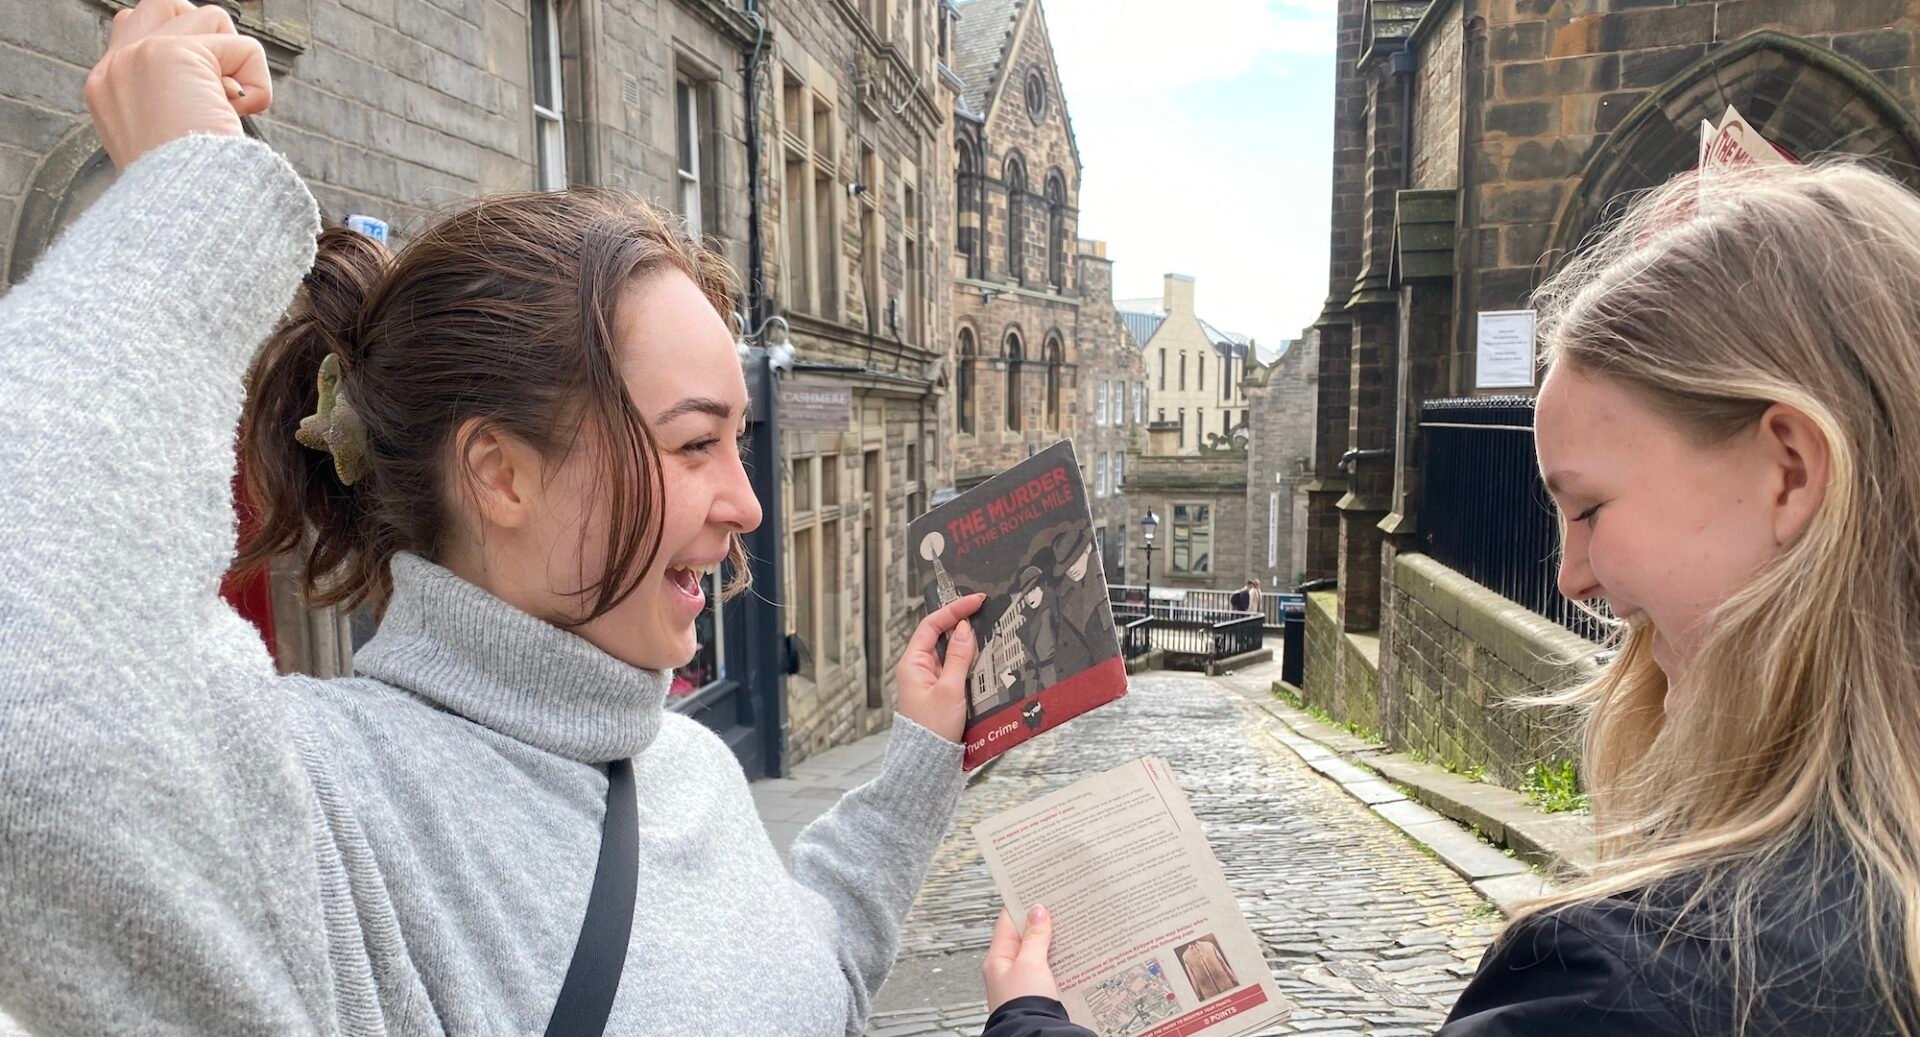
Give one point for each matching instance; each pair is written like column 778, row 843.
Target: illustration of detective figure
column 1052, row 623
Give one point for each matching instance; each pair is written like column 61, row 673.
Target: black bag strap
column 600, row 955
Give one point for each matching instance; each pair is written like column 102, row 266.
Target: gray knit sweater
column 191, row 844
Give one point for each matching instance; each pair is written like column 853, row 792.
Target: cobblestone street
column 1364, row 932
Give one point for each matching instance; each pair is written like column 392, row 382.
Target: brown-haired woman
column 517, row 437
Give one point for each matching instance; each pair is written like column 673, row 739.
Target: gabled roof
column 1226, row 342
column 1141, row 325
column 980, row 47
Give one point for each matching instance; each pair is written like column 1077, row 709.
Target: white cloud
column 1207, row 142
column 1144, row 47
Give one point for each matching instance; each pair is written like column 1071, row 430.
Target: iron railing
column 1187, row 634
column 1269, row 605
column 1483, row 510
column 1136, row 637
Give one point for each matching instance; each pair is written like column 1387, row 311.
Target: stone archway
column 72, row 177
column 1803, row 97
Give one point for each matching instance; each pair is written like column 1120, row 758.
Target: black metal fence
column 1269, row 605
column 1483, row 510
column 1187, row 634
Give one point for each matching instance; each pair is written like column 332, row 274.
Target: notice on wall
column 1505, row 357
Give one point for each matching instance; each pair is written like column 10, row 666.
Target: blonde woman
column 1730, row 427
column 518, row 437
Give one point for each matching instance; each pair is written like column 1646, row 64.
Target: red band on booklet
column 1005, row 728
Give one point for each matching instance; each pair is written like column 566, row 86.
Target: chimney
column 1178, row 297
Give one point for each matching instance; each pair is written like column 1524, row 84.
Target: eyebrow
column 694, row 405
column 1557, row 482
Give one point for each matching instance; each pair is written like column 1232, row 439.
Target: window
column 964, row 379
column 1015, row 357
column 1226, row 422
column 1202, row 373
column 1199, row 425
column 966, row 209
column 1100, row 475
column 549, row 127
column 1192, row 539
column 1183, row 428
column 831, row 581
column 693, row 118
column 1016, row 180
column 1273, row 529
column 914, row 261
column 810, row 201
column 1163, row 370
column 1163, row 415
column 1226, row 376
column 1100, row 404
column 1139, row 403
column 1183, row 370
column 708, row 663
column 873, row 238
column 1056, row 230
column 1036, row 95
column 1119, row 469
column 1053, row 383
column 804, row 585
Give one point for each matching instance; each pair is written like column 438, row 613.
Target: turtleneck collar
column 472, row 654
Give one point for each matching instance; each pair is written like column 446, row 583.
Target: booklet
column 1147, row 938
column 1735, row 143
column 1048, row 650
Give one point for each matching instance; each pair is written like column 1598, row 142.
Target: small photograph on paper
column 1206, row 968
column 1132, row 999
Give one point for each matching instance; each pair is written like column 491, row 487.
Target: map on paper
column 1132, row 999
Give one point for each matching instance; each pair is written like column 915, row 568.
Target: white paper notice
column 1505, row 355
column 1148, row 941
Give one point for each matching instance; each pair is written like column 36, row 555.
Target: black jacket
column 1033, row 1017
column 1638, row 965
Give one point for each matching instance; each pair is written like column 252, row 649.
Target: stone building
column 1194, row 369
column 857, row 190
column 1476, row 141
column 396, row 108
column 1280, row 397
column 1016, row 284
column 1112, row 392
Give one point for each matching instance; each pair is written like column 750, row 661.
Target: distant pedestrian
column 1247, row 598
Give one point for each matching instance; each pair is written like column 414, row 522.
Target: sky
column 1206, row 142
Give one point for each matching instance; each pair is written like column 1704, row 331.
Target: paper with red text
column 1148, row 940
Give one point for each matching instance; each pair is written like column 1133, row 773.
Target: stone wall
column 1436, row 101
column 1280, row 399
column 1459, row 657
column 1216, row 479
column 1107, row 357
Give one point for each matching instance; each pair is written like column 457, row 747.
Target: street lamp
column 1148, row 524
column 762, row 654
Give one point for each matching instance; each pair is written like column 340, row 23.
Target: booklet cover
column 1048, row 650
column 1148, row 940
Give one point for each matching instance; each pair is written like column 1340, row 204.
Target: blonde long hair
column 1713, row 298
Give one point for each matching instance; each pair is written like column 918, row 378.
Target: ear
column 501, row 475
column 1798, row 450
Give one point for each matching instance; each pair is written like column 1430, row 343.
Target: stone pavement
column 1365, row 932
column 810, row 787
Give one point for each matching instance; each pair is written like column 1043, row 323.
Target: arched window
column 1016, row 180
column 966, row 213
column 1053, row 382
column 964, row 390
column 1016, row 356
column 1056, row 229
